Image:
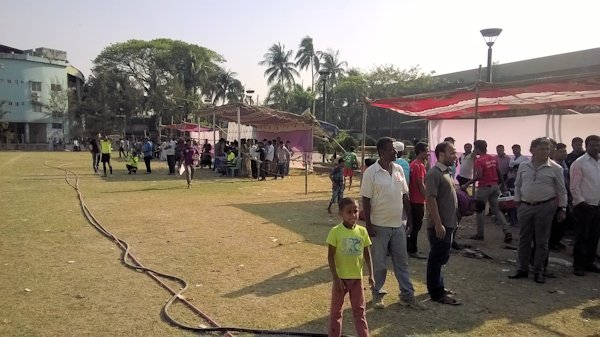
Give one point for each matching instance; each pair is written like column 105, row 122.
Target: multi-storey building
column 36, row 87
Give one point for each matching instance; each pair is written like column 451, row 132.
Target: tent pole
column 306, row 173
column 214, row 129
column 239, row 126
column 364, row 134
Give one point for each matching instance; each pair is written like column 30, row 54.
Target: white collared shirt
column 386, row 192
column 585, row 180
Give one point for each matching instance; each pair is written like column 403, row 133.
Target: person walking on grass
column 349, row 249
column 384, row 192
column 94, row 148
column 442, row 205
column 189, row 159
column 106, row 149
column 147, row 152
column 337, row 184
column 350, row 164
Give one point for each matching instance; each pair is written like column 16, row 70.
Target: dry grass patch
column 253, row 253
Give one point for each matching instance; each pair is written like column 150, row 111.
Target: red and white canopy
column 549, row 93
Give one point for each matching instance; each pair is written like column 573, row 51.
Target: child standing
column 337, row 184
column 348, row 250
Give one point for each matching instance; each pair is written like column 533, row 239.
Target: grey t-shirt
column 438, row 184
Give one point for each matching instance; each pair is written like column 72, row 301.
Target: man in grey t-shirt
column 442, row 206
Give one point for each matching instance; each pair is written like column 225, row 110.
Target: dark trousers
column 418, row 211
column 254, row 168
column 131, row 169
column 171, row 163
column 263, row 169
column 587, row 232
column 95, row 161
column 439, row 254
column 559, row 229
column 147, row 160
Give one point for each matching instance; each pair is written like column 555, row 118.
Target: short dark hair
column 480, row 144
column 561, row 146
column 441, row 148
column 341, row 160
column 449, row 139
column 577, row 140
column 345, row 202
column 516, row 146
column 592, row 138
column 382, row 141
column 499, row 146
column 352, row 149
column 369, row 162
column 540, row 140
column 420, row 147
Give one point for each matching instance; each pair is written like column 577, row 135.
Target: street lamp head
column 490, row 35
column 250, row 92
column 324, row 72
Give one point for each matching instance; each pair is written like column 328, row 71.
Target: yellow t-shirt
column 349, row 247
column 132, row 160
column 105, row 146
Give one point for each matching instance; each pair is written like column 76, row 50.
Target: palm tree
column 280, row 68
column 226, row 87
column 306, row 56
column 330, row 61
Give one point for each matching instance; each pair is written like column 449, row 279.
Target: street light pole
column 249, row 93
column 490, row 35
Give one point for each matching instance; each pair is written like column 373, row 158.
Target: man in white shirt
column 465, row 172
column 518, row 158
column 585, row 189
column 384, row 192
column 270, row 156
column 169, row 151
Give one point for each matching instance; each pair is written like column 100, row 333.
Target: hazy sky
column 437, row 35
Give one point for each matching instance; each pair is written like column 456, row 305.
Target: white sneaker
column 412, row 303
column 378, row 302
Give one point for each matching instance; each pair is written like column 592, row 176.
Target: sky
column 436, row 35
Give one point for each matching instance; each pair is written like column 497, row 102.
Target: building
column 573, row 63
column 36, row 88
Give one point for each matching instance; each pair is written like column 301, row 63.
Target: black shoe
column 579, row 271
column 539, row 278
column 593, row 268
column 519, row 274
column 507, row 237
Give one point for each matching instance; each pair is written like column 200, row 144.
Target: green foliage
column 280, row 68
column 346, row 140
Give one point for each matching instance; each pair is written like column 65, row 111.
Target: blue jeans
column 439, row 254
column 391, row 240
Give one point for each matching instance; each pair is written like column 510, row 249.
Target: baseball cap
column 399, row 146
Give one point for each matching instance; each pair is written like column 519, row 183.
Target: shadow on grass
column 488, row 296
column 283, row 282
column 294, row 217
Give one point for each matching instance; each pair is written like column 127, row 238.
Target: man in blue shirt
column 147, row 152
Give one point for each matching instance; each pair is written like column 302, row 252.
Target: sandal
column 448, row 300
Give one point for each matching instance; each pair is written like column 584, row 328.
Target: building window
column 10, row 103
column 55, row 87
column 16, row 103
column 22, row 103
column 37, row 108
column 56, row 114
column 8, row 81
column 57, row 125
column 36, row 86
column 21, row 82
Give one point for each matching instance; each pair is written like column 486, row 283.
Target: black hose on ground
column 132, row 262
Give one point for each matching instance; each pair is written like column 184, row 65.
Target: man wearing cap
column 399, row 147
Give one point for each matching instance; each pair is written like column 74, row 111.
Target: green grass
column 253, row 253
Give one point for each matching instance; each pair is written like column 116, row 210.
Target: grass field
column 253, row 253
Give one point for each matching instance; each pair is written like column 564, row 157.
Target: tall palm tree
column 226, row 87
column 330, row 61
column 280, row 68
column 306, row 56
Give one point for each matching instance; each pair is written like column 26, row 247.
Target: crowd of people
column 553, row 191
column 248, row 158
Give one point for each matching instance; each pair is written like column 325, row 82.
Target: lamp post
column 324, row 73
column 490, row 35
column 249, row 93
column 181, row 113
